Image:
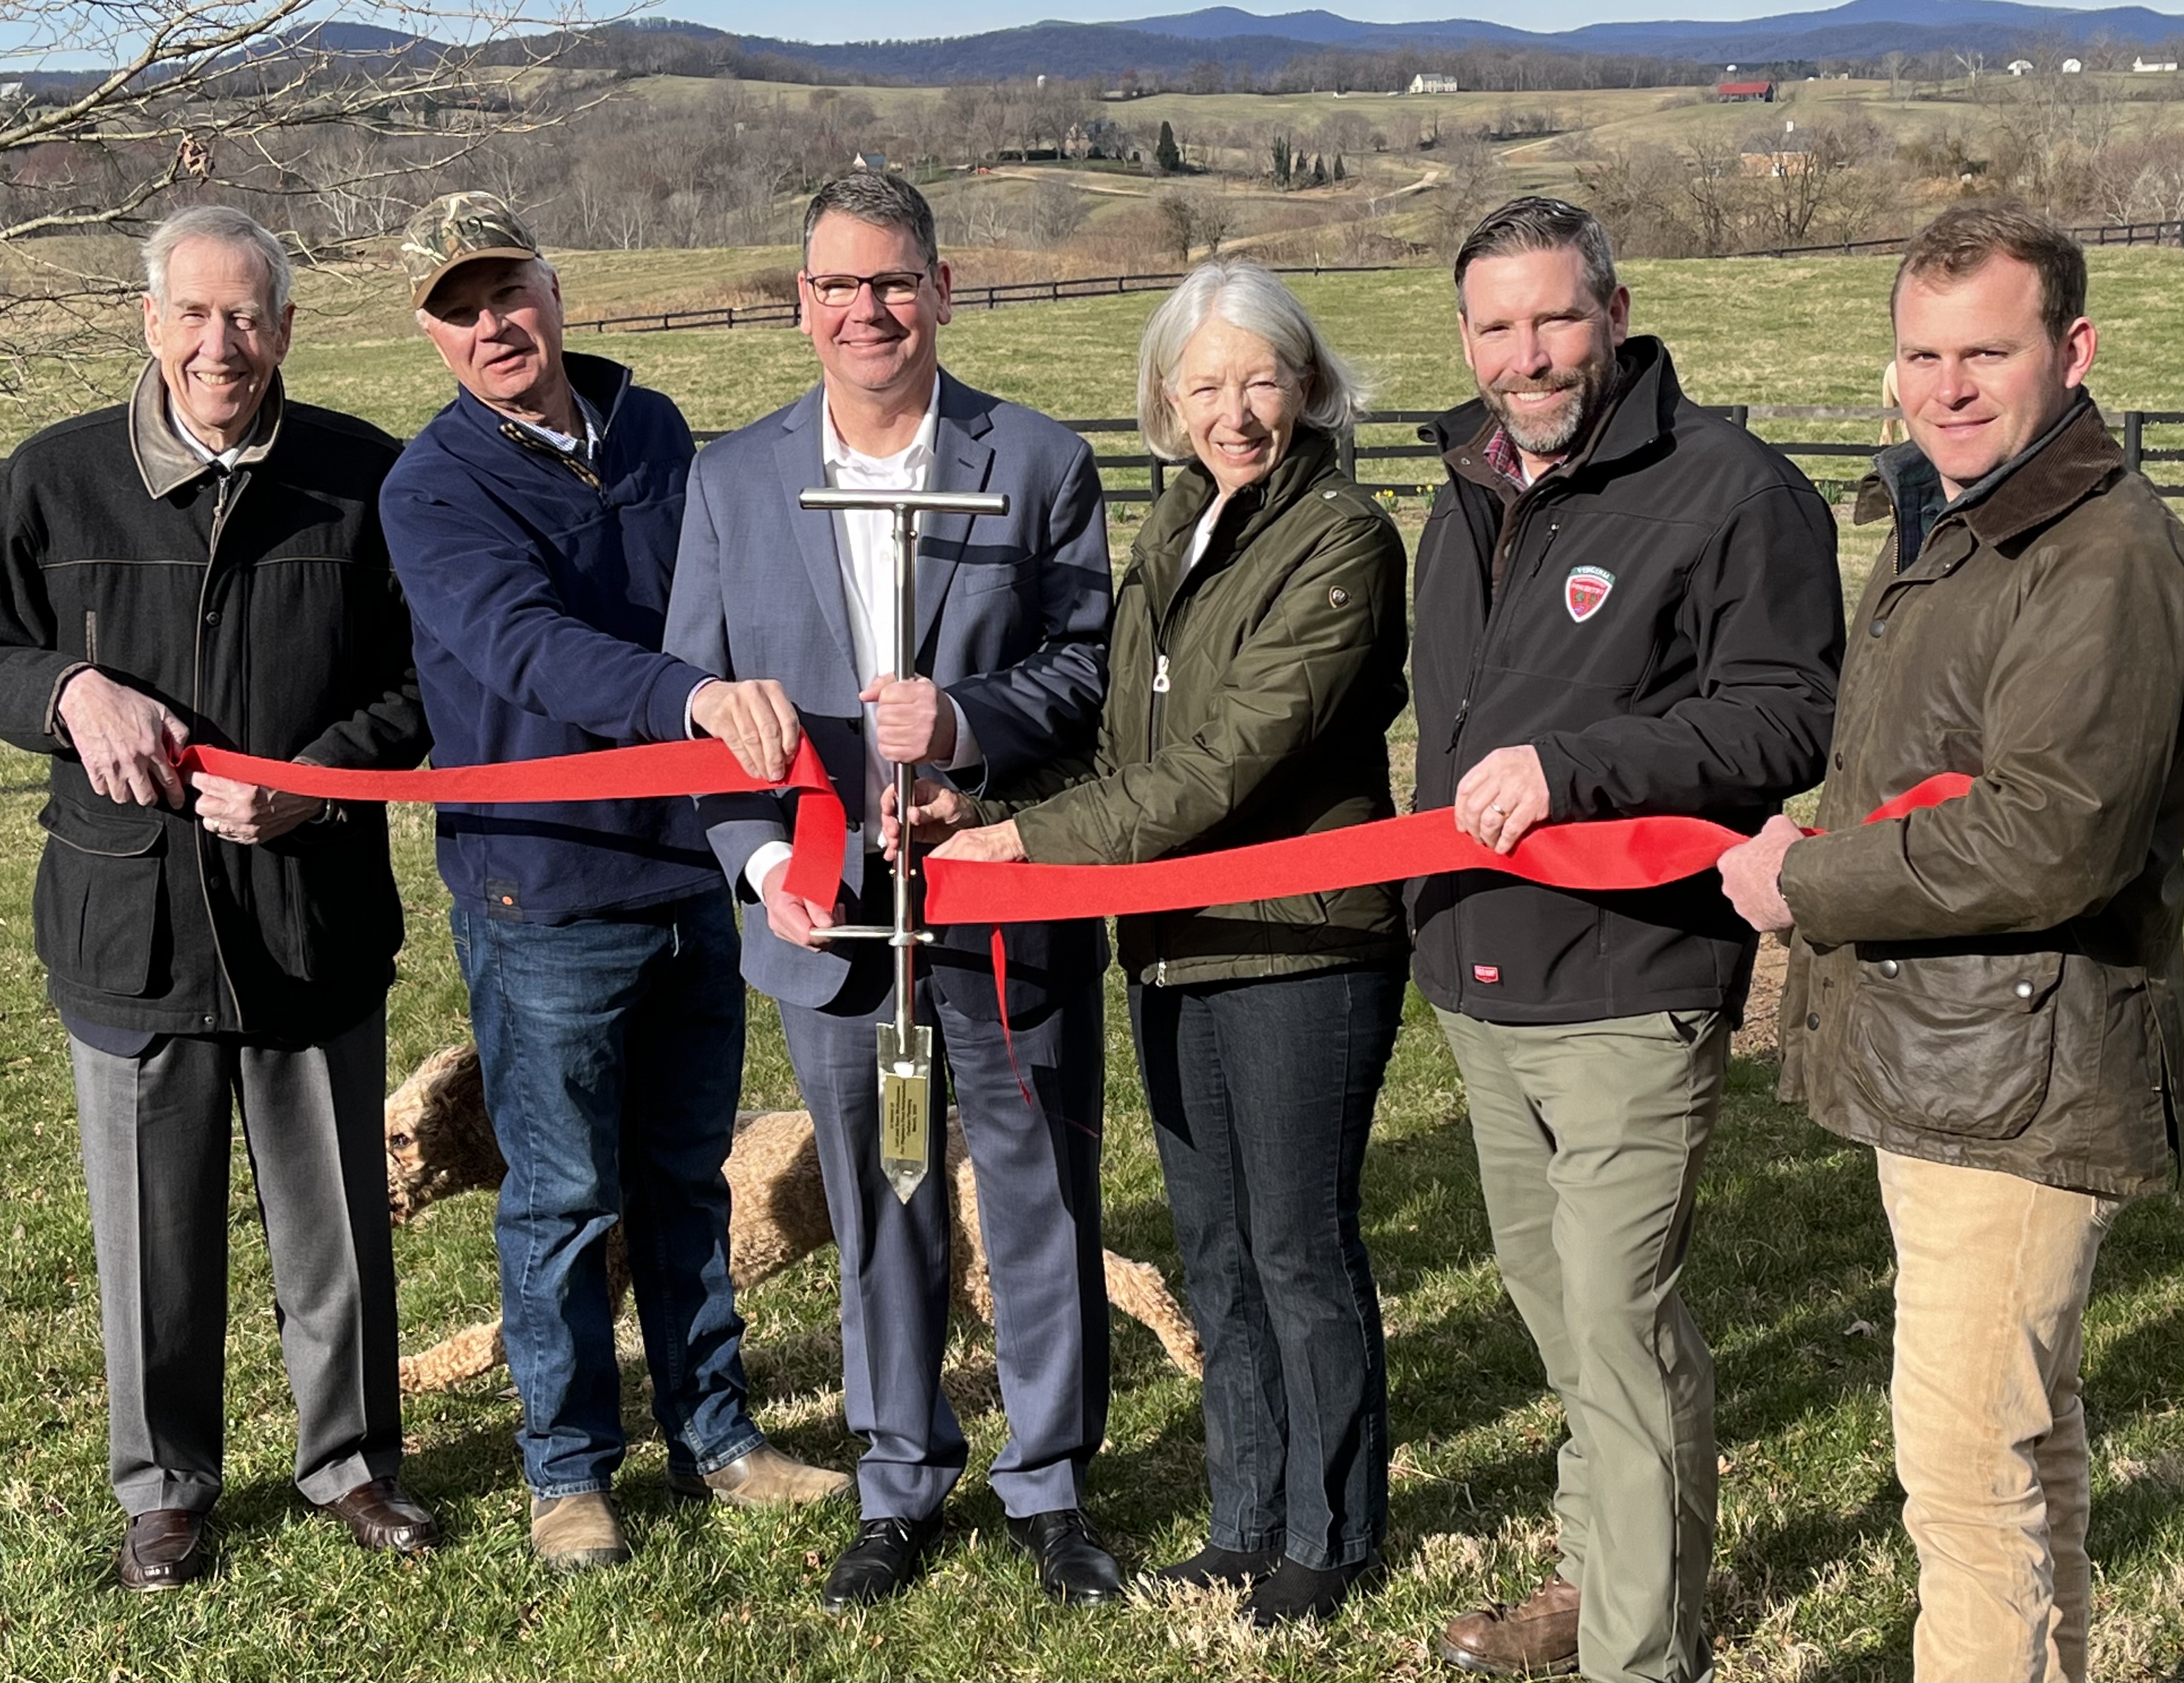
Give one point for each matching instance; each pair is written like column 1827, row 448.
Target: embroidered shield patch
column 1584, row 590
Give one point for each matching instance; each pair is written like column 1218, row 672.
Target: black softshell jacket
column 1667, row 633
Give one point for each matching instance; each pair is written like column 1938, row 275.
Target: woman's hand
column 994, row 844
column 936, row 813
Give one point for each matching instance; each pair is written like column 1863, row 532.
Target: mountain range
column 1861, row 31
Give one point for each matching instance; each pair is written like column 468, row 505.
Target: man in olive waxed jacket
column 1986, row 990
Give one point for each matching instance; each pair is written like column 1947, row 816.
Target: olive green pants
column 1591, row 1136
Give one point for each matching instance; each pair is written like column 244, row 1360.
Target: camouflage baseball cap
column 459, row 228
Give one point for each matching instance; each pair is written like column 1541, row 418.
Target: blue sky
column 910, row 19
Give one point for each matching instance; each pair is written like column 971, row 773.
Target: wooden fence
column 789, row 313
column 1358, row 457
column 962, row 299
column 2096, row 233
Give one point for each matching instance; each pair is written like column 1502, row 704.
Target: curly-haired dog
column 440, row 1142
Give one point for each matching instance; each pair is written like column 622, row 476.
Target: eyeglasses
column 836, row 292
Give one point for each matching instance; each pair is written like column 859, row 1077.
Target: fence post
column 2134, row 438
column 1740, row 414
column 1159, row 479
column 1346, row 452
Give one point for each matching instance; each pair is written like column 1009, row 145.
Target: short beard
column 1591, row 382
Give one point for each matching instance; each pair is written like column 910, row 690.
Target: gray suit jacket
column 1013, row 616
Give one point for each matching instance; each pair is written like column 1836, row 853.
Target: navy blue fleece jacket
column 538, row 586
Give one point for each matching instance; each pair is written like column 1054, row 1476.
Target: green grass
column 1814, row 1578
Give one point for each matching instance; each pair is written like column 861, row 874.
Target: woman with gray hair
column 1256, row 664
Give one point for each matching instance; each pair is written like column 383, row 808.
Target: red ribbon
column 1608, row 854
column 705, row 766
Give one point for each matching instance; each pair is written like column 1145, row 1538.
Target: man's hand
column 917, row 721
column 994, row 844
column 791, row 916
column 1502, row 797
column 1752, row 875
column 755, row 718
column 936, row 813
column 127, row 740
column 246, row 813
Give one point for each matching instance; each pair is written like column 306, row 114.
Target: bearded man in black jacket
column 1625, row 607
column 204, row 565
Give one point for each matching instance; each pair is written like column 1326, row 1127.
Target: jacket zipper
column 1495, row 616
column 516, row 435
column 1497, row 603
column 232, row 487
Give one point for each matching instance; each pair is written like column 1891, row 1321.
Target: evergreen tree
column 1166, row 154
column 1319, row 172
column 1282, row 162
column 1339, row 173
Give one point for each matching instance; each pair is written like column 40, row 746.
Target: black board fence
column 1139, row 477
column 1395, row 436
column 787, row 312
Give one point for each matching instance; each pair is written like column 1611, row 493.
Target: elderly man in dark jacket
column 1986, row 991
column 205, row 564
column 1626, row 607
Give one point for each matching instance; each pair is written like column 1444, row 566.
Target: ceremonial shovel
column 905, row 1048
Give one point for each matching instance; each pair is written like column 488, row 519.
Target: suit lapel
column 797, row 456
column 962, row 461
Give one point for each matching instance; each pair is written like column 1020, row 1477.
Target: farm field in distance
column 1790, row 1276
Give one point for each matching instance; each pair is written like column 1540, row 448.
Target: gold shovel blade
column 905, row 1108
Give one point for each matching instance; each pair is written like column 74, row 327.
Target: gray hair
column 1538, row 224
column 1244, row 295
column 875, row 196
column 228, row 226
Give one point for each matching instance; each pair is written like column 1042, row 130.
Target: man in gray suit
column 797, row 609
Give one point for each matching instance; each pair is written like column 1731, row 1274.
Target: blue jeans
column 1261, row 1094
column 612, row 1049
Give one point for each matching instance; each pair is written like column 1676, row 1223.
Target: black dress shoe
column 1222, row 1568
column 1297, row 1592
column 163, row 1550
column 881, row 1563
column 1072, row 1567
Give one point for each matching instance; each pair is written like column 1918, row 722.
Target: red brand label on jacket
column 1486, row 972
column 1584, row 590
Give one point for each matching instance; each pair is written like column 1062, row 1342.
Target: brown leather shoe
column 762, row 1477
column 163, row 1550
column 382, row 1514
column 1536, row 1638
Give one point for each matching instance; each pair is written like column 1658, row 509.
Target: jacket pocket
column 343, row 912
column 97, row 911
column 1962, row 1044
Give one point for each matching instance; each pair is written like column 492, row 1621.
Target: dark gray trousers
column 1037, row 1171
column 156, row 1132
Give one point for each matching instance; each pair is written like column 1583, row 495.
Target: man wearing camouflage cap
column 533, row 523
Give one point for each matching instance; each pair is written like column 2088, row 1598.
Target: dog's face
column 439, row 1139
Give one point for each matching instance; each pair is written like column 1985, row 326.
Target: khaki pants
column 1591, row 1136
column 1991, row 1275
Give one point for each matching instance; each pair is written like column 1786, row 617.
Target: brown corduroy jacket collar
column 164, row 461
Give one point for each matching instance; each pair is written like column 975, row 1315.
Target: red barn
column 1761, row 91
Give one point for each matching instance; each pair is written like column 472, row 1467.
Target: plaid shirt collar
column 1501, row 456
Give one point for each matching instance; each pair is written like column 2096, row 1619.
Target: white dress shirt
column 864, row 546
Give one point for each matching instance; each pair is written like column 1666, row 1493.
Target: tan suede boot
column 576, row 1532
column 762, row 1478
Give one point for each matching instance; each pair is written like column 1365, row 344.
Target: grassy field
column 1790, row 1275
